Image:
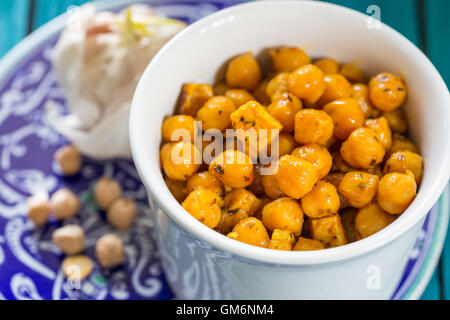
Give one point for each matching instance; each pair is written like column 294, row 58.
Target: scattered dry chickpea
column 109, row 251
column 64, row 204
column 69, row 160
column 243, row 72
column 322, row 200
column 204, row 205
column 396, row 191
column 358, row 188
column 122, row 213
column 286, row 59
column 387, row 91
column 70, row 239
column 77, row 267
column 38, row 208
column 308, row 83
column 106, row 190
column 251, row 231
column 305, row 244
column 371, row 219
column 283, row 213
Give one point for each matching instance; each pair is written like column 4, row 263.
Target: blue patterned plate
column 29, row 262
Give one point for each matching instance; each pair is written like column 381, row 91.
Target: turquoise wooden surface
column 424, row 22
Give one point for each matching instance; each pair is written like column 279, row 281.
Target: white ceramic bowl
column 201, row 263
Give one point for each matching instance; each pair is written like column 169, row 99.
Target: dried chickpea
column 183, row 162
column 239, row 96
column 271, row 187
column 283, row 213
column 352, row 73
column 396, row 191
column 77, row 267
column 335, row 178
column 317, row 155
column 206, row 180
column 397, row 120
column 109, row 251
column 295, row 176
column 286, row 59
column 348, row 222
column 313, row 126
column 69, row 160
column 177, row 188
column 251, row 231
column 122, row 213
column 243, row 72
column 106, row 191
column 233, row 168
column 278, row 84
column 328, row 230
column 192, row 97
column 358, row 188
column 371, row 219
column 215, row 113
column 38, row 208
column 205, row 206
column 347, row 116
column 220, row 89
column 64, row 204
column 308, row 83
column 360, row 92
column 305, row 244
column 282, row 240
column 400, row 143
column 337, row 87
column 362, row 149
column 286, row 144
column 260, row 93
column 284, row 106
column 401, row 161
column 327, row 65
column 70, row 239
column 239, row 204
column 322, row 200
column 381, row 126
column 387, row 91
column 256, row 186
column 185, row 126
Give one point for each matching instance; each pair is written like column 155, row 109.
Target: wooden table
column 425, row 22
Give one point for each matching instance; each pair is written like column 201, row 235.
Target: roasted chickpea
column 233, row 168
column 347, row 116
column 164, row 152
column 243, row 72
column 256, row 186
column 371, row 219
column 38, row 208
column 352, row 72
column 381, row 126
column 122, row 213
column 215, row 113
column 401, row 161
column 317, row 155
column 106, row 191
column 328, row 230
column 183, row 162
column 271, row 187
column 296, row 176
column 327, row 65
column 278, row 84
column 284, row 106
column 335, row 178
column 387, row 91
column 337, row 87
column 192, row 97
column 69, row 160
column 397, row 120
column 177, row 188
column 322, row 200
column 220, row 89
column 251, row 231
column 358, row 188
column 348, row 222
column 308, row 83
column 288, row 59
column 282, row 240
column 206, row 180
column 286, row 143
column 65, row 204
column 362, row 149
column 305, row 244
column 283, row 213
column 109, row 251
column 179, row 127
column 339, row 163
column 400, row 143
column 313, row 126
column 70, row 239
column 264, row 201
column 239, row 96
column 360, row 92
column 205, row 206
column 396, row 191
column 260, row 93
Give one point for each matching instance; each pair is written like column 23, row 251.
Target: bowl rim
column 176, row 213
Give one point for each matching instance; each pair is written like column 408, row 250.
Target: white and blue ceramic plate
column 29, row 263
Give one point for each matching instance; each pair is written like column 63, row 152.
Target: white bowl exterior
column 322, row 30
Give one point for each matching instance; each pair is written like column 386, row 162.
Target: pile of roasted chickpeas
column 64, row 204
column 345, row 168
